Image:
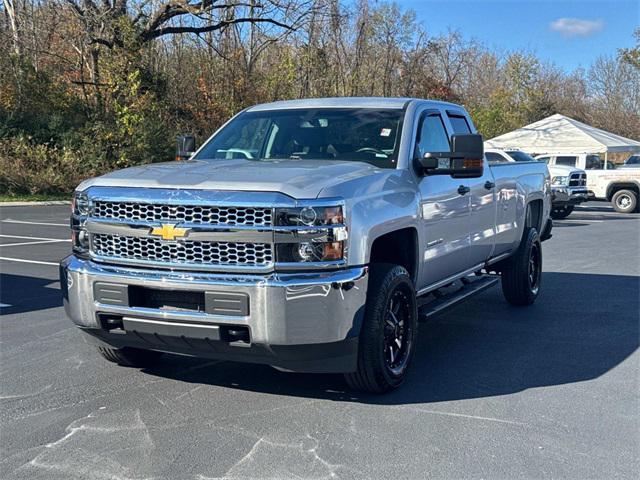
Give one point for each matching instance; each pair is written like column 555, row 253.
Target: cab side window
column 432, row 135
column 493, row 157
column 593, row 162
column 544, row 159
column 459, row 124
column 570, row 161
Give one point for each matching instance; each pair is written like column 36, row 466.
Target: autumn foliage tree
column 92, row 85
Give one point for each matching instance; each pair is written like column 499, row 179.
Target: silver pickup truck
column 310, row 235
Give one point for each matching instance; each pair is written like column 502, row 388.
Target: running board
column 439, row 300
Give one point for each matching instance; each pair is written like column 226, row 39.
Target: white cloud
column 576, row 27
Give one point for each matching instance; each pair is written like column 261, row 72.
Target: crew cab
column 310, row 235
column 619, row 186
column 568, row 184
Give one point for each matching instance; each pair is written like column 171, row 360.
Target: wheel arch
column 624, row 185
column 534, row 214
column 399, row 247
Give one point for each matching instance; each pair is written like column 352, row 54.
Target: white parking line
column 20, row 260
column 35, row 223
column 581, row 220
column 39, row 242
column 37, row 238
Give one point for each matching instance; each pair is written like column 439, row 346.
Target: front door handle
column 489, row 185
column 462, row 189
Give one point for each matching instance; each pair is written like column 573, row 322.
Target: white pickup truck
column 620, row 186
column 306, row 235
column 568, row 184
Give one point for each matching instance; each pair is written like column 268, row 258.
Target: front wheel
column 561, row 212
column 388, row 333
column 624, row 201
column 522, row 273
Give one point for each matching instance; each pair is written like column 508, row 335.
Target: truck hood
column 296, row 178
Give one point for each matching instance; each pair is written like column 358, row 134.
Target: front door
column 444, row 208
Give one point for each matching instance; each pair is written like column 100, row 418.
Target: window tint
column 593, row 163
column 432, row 136
column 570, row 161
column 519, row 156
column 633, row 160
column 459, row 124
column 543, row 159
column 493, row 157
column 352, row 134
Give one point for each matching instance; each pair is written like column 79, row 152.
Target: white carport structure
column 560, row 134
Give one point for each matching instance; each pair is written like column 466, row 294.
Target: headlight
column 310, row 252
column 310, row 234
column 80, row 204
column 80, row 241
column 309, row 216
column 562, row 181
column 80, row 208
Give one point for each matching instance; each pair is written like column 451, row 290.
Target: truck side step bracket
column 430, row 304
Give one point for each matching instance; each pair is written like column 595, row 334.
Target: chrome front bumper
column 296, row 321
column 569, row 195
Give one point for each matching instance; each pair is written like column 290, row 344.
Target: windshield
column 355, row 134
column 519, row 156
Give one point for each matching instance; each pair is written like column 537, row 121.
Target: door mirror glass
column 185, row 147
column 464, row 161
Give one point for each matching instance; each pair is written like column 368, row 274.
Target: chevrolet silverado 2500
column 568, row 184
column 309, row 235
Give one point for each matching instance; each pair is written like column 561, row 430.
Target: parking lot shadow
column 27, row 294
column 581, row 327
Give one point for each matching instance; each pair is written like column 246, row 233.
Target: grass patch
column 34, row 198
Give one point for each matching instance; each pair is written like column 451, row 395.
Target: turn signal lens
column 310, row 252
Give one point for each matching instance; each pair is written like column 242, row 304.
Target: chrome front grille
column 181, row 253
column 578, row 180
column 200, row 214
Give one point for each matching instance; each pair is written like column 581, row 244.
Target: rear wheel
column 388, row 332
column 130, row 357
column 624, row 201
column 522, row 273
column 561, row 212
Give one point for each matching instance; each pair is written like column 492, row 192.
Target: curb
column 28, row 204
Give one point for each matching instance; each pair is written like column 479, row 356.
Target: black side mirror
column 185, row 147
column 464, row 161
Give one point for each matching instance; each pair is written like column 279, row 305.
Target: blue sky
column 570, row 33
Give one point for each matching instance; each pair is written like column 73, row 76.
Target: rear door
column 445, row 211
column 482, row 205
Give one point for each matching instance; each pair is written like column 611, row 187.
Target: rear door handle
column 489, row 185
column 462, row 190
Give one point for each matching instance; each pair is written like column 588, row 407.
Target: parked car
column 619, row 186
column 568, row 184
column 305, row 235
column 632, row 162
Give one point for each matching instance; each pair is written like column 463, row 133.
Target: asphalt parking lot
column 549, row 391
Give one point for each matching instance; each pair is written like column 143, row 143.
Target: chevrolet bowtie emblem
column 169, row 231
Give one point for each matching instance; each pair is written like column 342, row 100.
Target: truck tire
column 624, row 201
column 561, row 212
column 130, row 357
column 522, row 273
column 388, row 333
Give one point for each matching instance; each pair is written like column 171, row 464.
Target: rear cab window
column 493, row 157
column 566, row 160
column 458, row 123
